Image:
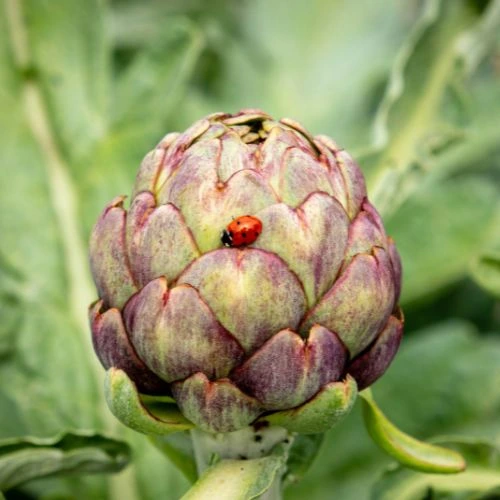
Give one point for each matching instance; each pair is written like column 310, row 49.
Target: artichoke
column 283, row 327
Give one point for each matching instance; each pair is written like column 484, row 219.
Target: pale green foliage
column 88, row 87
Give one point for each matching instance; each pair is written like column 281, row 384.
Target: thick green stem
column 245, row 444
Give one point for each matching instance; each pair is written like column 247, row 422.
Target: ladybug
column 241, row 231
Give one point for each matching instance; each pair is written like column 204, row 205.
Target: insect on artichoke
column 277, row 329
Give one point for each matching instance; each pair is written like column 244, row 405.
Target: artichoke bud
column 279, row 324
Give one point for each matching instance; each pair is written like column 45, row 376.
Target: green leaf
column 125, row 404
column 11, row 418
column 11, row 282
column 150, row 86
column 432, row 386
column 237, row 479
column 290, row 68
column 330, row 78
column 52, row 354
column 439, row 231
column 482, row 475
column 430, row 389
column 492, row 494
column 410, row 112
column 25, row 459
column 326, row 409
column 301, row 455
column 145, row 100
column 178, row 448
column 419, row 77
column 475, row 44
column 406, row 450
column 54, row 378
column 486, row 272
column 66, row 48
column 152, row 475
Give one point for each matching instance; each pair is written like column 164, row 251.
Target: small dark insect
column 241, row 231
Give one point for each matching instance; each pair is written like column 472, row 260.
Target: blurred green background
column 411, row 89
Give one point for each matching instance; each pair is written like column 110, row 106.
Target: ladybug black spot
column 244, row 235
column 238, row 222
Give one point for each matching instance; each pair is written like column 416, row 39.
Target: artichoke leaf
column 178, row 448
column 237, row 479
column 126, row 405
column 27, row 458
column 321, row 412
column 481, row 480
column 301, row 455
column 407, row 450
column 420, row 78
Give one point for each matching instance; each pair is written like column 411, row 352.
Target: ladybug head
column 227, row 238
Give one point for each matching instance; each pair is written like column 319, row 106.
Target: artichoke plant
column 284, row 329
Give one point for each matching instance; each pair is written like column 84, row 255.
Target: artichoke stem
column 244, row 444
column 252, row 442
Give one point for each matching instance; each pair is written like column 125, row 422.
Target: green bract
column 282, row 329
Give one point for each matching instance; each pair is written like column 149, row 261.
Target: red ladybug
column 241, row 231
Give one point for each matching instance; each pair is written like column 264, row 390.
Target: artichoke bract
column 283, row 328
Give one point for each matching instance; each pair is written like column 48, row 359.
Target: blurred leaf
column 405, row 94
column 72, row 139
column 40, row 239
column 10, row 312
column 132, row 25
column 492, row 494
column 146, row 99
column 479, row 149
column 150, row 476
column 178, row 448
column 150, row 87
column 11, row 281
column 11, row 417
column 25, row 459
column 66, row 48
column 482, row 474
column 54, row 381
column 431, row 388
column 237, row 479
column 486, row 271
column 301, row 455
column 326, row 78
column 439, row 231
column 475, row 44
column 411, row 112
column 464, row 300
column 155, row 476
